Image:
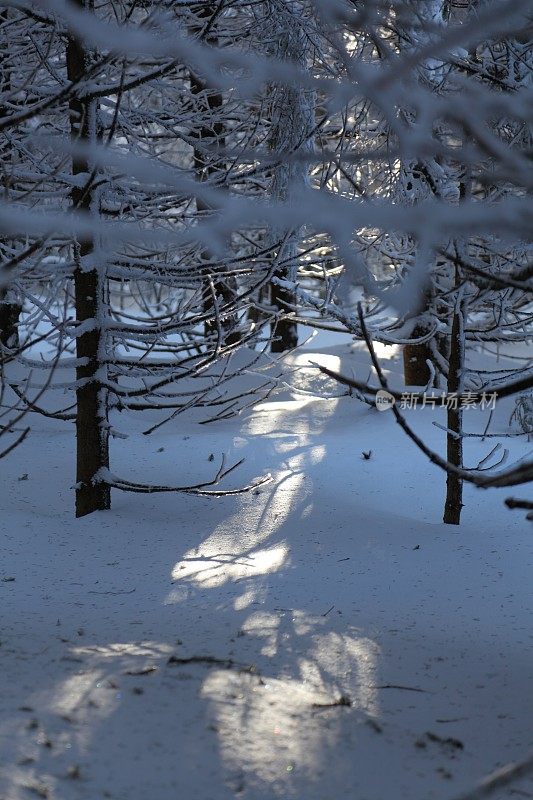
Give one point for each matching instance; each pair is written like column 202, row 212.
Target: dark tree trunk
column 456, row 363
column 454, row 484
column 284, row 329
column 415, row 356
column 9, row 309
column 292, row 126
column 92, row 433
column 9, row 319
column 207, row 164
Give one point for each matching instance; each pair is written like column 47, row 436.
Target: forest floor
column 324, row 637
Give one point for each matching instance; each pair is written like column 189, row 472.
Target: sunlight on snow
column 348, row 660
column 233, row 552
column 278, row 412
column 261, row 728
column 383, row 351
column 251, row 595
column 324, row 359
column 236, row 549
column 85, row 700
column 266, row 724
column 91, row 695
column 214, row 568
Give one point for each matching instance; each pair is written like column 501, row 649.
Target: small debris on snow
column 448, row 741
column 25, row 761
column 74, row 772
column 45, row 742
column 38, row 789
column 213, row 661
column 399, row 686
column 444, row 773
column 343, row 700
column 142, row 671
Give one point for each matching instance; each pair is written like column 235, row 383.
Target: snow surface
column 337, row 580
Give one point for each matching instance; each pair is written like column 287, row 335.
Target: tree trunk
column 454, row 484
column 208, row 164
column 92, row 430
column 10, row 312
column 10, row 309
column 284, row 329
column 293, row 112
column 415, row 356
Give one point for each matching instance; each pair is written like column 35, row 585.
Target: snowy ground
column 337, row 580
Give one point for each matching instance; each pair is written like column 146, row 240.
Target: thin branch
column 503, row 777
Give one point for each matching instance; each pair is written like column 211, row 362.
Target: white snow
column 335, row 580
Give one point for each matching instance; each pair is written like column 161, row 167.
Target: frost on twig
column 116, row 482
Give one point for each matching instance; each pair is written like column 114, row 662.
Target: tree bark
column 454, row 455
column 92, row 430
column 9, row 318
column 293, row 110
column 415, row 356
column 207, row 164
column 10, row 308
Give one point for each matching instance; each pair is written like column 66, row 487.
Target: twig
column 14, row 444
column 198, row 489
column 211, row 661
column 502, row 777
column 142, row 671
column 503, row 391
column 343, row 700
column 399, row 686
column 522, row 473
column 513, row 502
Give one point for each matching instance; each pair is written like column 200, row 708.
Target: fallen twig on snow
column 399, row 686
column 502, row 777
column 343, row 700
column 212, row 661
